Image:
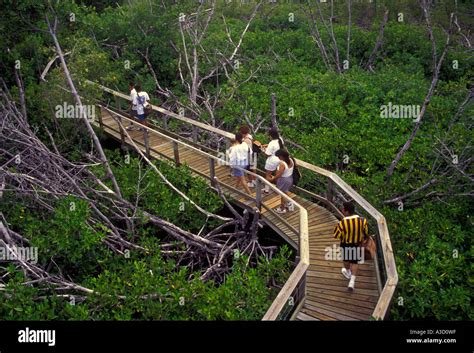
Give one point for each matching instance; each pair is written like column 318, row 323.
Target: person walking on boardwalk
column 238, row 155
column 248, row 139
column 141, row 101
column 272, row 162
column 284, row 178
column 351, row 231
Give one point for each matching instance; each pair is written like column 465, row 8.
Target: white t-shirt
column 133, row 94
column 288, row 171
column 239, row 155
column 272, row 163
column 272, row 147
column 141, row 107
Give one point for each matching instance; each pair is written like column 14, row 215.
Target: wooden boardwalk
column 327, row 296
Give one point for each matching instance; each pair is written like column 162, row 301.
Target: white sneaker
column 351, row 283
column 280, row 210
column 250, row 184
column 291, row 206
column 347, row 273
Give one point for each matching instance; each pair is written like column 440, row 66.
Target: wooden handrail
column 388, row 290
column 285, row 293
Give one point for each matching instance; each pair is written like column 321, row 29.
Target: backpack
column 256, row 148
column 141, row 100
column 296, row 173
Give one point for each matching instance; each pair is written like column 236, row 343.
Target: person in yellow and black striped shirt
column 351, row 231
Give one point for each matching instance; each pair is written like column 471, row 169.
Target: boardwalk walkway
column 326, row 295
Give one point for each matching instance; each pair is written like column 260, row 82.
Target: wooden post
column 117, row 103
column 212, row 170
column 195, row 133
column 330, row 190
column 165, row 121
column 147, row 145
column 122, row 135
column 258, row 189
column 176, row 153
column 101, row 123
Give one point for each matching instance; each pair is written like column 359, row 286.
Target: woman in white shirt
column 272, row 161
column 140, row 101
column 284, row 178
column 248, row 139
column 239, row 160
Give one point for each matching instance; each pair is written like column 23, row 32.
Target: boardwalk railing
column 334, row 190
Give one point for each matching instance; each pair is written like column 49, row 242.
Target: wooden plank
column 362, row 300
column 333, row 275
column 329, row 313
column 342, row 289
column 305, row 317
column 336, row 311
column 316, row 314
column 367, row 306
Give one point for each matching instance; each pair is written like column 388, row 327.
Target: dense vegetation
column 332, row 119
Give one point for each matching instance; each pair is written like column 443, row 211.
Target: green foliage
column 331, row 116
column 155, row 196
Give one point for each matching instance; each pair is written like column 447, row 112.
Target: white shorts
column 272, row 163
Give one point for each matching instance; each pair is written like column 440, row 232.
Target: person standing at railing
column 284, row 178
column 238, row 160
column 142, row 102
column 351, row 231
column 252, row 167
column 272, row 162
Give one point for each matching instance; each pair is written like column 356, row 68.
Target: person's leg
column 268, row 176
column 346, row 270
column 237, row 182
column 243, row 181
column 133, row 113
column 251, row 178
column 354, row 267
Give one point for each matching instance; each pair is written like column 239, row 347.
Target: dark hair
column 244, row 130
column 349, row 207
column 239, row 137
column 132, row 84
column 138, row 88
column 284, row 155
column 273, row 132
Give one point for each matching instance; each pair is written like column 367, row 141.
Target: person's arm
column 338, row 231
column 365, row 229
column 280, row 170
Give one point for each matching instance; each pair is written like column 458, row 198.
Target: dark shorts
column 237, row 172
column 141, row 117
column 133, row 113
column 352, row 253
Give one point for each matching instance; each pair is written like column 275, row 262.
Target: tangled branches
column 34, row 171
